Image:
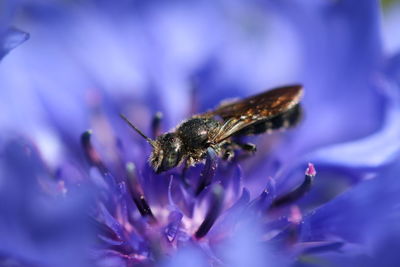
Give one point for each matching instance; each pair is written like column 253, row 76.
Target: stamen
column 213, row 212
column 90, row 153
column 183, row 177
column 156, row 124
column 319, row 247
column 264, row 200
column 145, row 210
column 300, row 191
column 291, row 234
column 94, row 159
column 105, row 232
column 311, row 170
column 172, row 229
column 208, row 172
column 137, row 192
column 295, row 215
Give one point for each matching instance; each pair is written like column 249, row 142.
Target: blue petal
column 188, row 256
column 379, row 148
column 360, row 213
column 10, row 39
column 244, row 247
column 39, row 227
column 341, row 52
column 370, row 152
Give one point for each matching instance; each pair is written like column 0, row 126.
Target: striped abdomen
column 282, row 121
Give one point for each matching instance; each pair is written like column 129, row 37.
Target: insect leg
column 228, row 154
column 249, row 147
column 227, row 151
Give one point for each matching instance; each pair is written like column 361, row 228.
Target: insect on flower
column 271, row 110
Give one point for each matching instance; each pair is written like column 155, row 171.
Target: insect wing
column 244, row 113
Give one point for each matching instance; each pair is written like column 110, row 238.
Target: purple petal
column 358, row 213
column 214, row 210
column 245, row 249
column 338, row 75
column 186, row 256
column 37, row 227
column 10, row 39
column 208, row 172
column 172, row 228
column 370, row 152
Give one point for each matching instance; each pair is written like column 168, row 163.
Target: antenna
column 150, row 141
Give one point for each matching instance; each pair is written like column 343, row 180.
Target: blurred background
column 76, row 64
column 153, row 53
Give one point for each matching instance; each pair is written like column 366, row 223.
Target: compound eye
column 171, row 147
column 172, row 159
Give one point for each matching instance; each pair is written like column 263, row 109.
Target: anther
column 208, row 172
column 299, row 191
column 90, row 152
column 156, row 124
column 137, row 192
column 213, row 212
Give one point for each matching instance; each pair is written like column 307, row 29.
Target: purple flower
column 72, row 196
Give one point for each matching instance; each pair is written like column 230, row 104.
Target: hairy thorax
column 197, row 132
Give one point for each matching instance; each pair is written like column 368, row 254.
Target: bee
column 276, row 109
